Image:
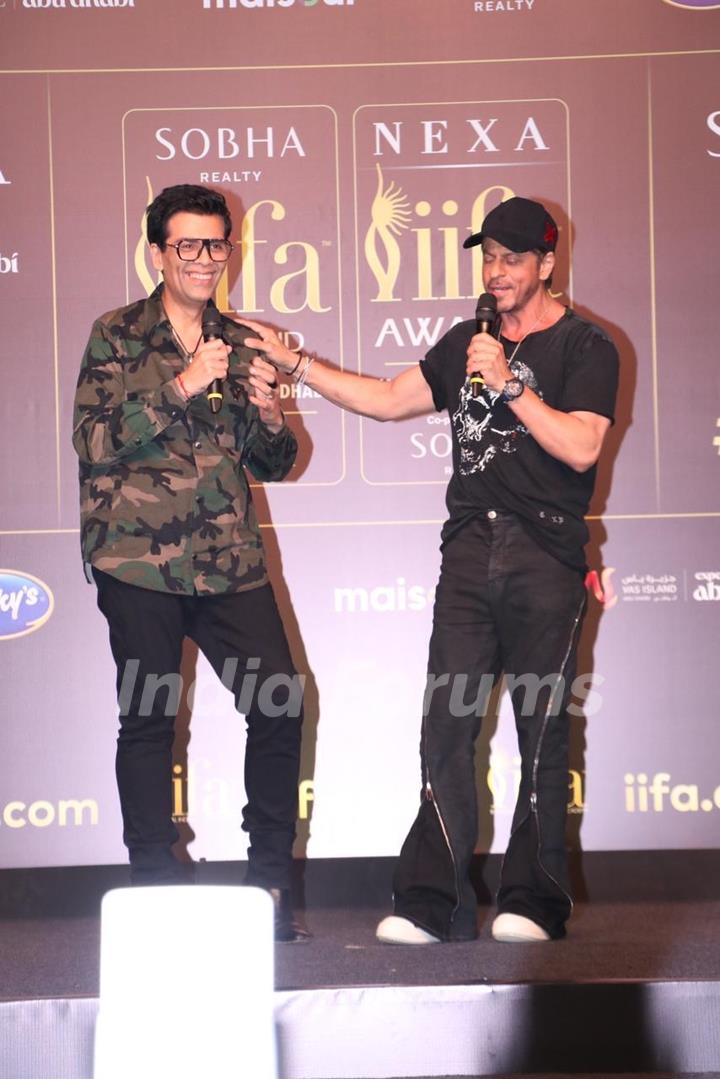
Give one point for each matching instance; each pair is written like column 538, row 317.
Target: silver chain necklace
column 185, row 352
column 527, row 333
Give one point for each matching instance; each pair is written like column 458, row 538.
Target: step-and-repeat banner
column 358, row 143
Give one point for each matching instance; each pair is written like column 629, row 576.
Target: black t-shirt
column 497, row 464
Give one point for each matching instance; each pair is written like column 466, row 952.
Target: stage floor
column 633, row 990
column 606, row 942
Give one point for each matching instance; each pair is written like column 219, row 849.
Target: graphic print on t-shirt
column 485, row 426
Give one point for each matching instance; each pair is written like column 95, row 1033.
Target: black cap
column 520, row 225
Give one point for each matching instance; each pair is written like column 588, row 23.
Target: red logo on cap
column 550, row 236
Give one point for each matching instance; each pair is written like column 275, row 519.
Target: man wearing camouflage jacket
column 170, row 536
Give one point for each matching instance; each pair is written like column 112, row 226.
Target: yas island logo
column 26, row 603
column 600, row 586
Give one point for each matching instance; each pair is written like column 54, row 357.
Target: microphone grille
column 486, row 307
column 212, row 322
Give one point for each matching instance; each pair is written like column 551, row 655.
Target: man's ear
column 156, row 255
column 547, row 265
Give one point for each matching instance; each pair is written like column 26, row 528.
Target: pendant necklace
column 527, row 333
column 185, row 352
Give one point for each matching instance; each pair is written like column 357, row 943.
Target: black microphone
column 484, row 317
column 212, row 329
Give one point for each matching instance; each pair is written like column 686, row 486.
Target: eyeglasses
column 190, row 250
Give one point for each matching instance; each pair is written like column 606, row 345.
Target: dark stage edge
column 634, row 989
column 346, row 883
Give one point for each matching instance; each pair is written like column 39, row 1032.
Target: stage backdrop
column 358, row 143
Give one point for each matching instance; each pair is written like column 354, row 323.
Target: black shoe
column 146, row 876
column 287, row 930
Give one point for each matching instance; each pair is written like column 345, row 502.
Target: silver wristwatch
column 512, row 389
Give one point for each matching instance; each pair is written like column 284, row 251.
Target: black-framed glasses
column 190, row 250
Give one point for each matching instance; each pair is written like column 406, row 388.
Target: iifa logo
column 306, row 280
column 208, row 4
column 25, row 604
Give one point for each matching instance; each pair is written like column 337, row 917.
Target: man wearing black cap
column 511, row 595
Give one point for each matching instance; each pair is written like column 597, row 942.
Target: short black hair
column 188, row 199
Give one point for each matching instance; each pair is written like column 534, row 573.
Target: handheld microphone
column 484, row 317
column 212, row 329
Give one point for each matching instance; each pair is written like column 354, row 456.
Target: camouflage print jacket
column 165, row 502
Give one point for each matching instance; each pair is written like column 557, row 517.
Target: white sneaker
column 514, row 929
column 397, row 930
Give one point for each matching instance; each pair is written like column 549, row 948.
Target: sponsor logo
column 9, row 263
column 67, row 812
column 647, row 588
column 496, row 7
column 227, row 143
column 713, row 123
column 250, row 4
column 383, row 599
column 25, row 604
column 601, row 587
column 433, row 443
column 708, row 587
column 262, row 152
column 77, row 3
column 644, row 795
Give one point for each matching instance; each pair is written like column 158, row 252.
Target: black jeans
column 147, row 629
column 502, row 604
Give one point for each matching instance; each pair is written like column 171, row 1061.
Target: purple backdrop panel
column 426, row 175
column 30, row 493
column 279, row 169
column 358, row 143
column 686, row 172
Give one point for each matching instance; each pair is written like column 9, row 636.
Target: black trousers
column 502, row 604
column 242, row 636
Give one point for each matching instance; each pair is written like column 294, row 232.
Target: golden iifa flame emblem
column 141, row 266
column 390, row 214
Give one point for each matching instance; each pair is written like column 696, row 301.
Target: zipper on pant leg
column 430, row 797
column 538, row 750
